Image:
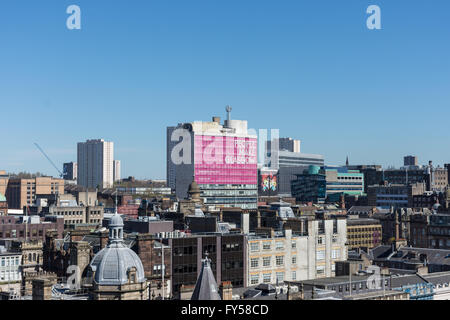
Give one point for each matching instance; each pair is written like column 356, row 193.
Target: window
column 320, row 270
column 294, row 276
column 280, row 276
column 335, row 254
column 293, row 245
column 320, row 255
column 266, row 261
column 254, row 246
column 267, row 277
column 319, row 240
column 254, row 279
column 279, row 260
column 294, row 259
column 279, row 245
column 3, row 262
column 266, row 246
column 254, row 262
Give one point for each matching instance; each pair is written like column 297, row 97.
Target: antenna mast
column 228, row 110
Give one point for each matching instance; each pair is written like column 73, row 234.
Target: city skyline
column 311, row 69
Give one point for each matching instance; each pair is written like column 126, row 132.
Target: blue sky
column 310, row 68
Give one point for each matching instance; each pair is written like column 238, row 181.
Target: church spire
column 206, row 287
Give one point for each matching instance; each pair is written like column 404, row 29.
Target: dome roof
column 116, row 221
column 111, row 265
column 194, row 188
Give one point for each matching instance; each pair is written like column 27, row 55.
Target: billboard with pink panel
column 225, row 160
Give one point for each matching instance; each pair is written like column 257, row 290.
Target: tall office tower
column 286, row 144
column 70, row 171
column 221, row 158
column 116, row 170
column 410, row 161
column 95, row 163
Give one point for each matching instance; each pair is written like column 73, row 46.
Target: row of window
column 279, row 245
column 364, row 242
column 267, row 277
column 13, row 233
column 367, row 229
column 9, row 275
column 69, row 213
column 441, row 243
column 360, row 236
column 10, row 261
column 267, row 261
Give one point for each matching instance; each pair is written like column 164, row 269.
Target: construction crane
column 45, row 155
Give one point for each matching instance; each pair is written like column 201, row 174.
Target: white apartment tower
column 95, row 163
column 116, row 170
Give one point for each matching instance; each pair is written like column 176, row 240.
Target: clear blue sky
column 310, row 68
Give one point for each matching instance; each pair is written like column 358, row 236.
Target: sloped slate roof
column 206, row 286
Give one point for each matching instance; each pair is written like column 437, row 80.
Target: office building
column 289, row 256
column 95, row 164
column 317, row 184
column 70, row 171
column 289, row 161
column 72, row 214
column 29, row 228
column 276, row 159
column 363, row 233
column 310, row 186
column 23, row 192
column 395, row 195
column 286, row 144
column 227, row 254
column 410, row 161
column 221, row 158
column 341, row 180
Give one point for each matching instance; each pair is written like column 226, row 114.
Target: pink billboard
column 225, row 160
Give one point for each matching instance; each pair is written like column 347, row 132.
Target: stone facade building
column 287, row 256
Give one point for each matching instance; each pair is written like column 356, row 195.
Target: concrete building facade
column 294, row 257
column 95, row 163
column 221, row 158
